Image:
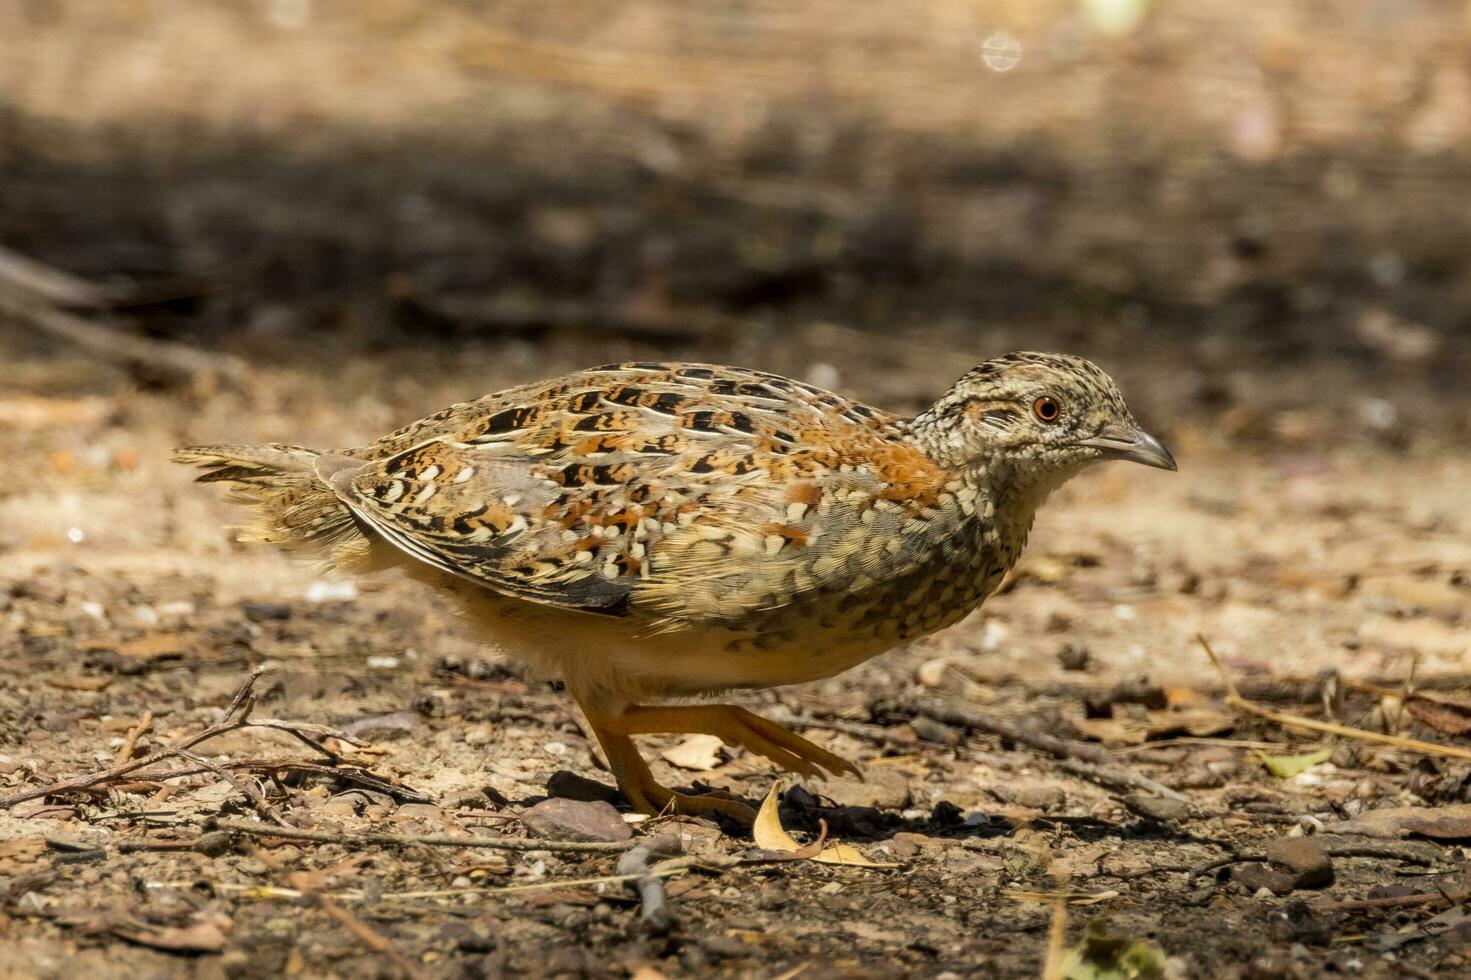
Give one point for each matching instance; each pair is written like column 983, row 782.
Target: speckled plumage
column 666, row 530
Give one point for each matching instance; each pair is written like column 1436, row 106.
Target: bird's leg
column 733, row 726
column 638, row 786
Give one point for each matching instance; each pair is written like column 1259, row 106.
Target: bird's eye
column 1047, row 409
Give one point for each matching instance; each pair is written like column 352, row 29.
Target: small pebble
column 1302, row 858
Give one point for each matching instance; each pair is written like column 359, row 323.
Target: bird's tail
column 294, row 507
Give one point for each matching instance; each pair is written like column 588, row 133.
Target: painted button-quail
column 646, row 531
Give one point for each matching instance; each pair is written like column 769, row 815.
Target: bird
column 656, row 534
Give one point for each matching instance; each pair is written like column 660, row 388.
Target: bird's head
column 1044, row 416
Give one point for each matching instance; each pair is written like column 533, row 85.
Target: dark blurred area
column 1269, row 188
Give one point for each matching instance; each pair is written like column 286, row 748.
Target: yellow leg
column 638, row 786
column 733, row 726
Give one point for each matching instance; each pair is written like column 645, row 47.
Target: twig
column 165, row 356
column 1408, row 852
column 1088, row 761
column 71, row 291
column 1052, row 965
column 233, row 718
column 252, row 794
column 654, row 900
column 377, row 942
column 665, row 869
column 1234, row 698
column 236, row 716
column 130, row 742
column 1395, row 901
column 425, row 840
column 34, row 293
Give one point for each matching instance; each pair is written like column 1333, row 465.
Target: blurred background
column 1243, row 210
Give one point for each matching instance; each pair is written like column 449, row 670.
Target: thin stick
column 225, row 724
column 1056, row 941
column 125, row 752
column 1234, row 698
column 376, row 941
column 1088, row 761
column 668, row 870
column 235, row 717
column 1395, row 902
column 261, row 804
column 166, row 356
column 425, row 840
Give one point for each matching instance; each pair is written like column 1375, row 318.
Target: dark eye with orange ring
column 1047, row 409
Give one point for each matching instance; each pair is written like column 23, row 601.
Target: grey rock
column 577, row 820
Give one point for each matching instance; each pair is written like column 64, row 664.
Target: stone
column 1034, row 796
column 1304, row 859
column 1255, row 877
column 1159, row 808
column 570, row 786
column 906, row 845
column 575, row 820
column 467, row 799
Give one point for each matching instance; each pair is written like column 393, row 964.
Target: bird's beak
column 1126, row 442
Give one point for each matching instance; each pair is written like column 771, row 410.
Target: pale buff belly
column 614, row 661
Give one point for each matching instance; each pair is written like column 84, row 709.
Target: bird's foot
column 734, row 726
column 647, row 795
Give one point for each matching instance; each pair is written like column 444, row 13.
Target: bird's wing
column 678, row 492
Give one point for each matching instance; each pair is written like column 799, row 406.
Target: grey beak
column 1135, row 445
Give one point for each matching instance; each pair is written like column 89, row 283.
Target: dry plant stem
column 1234, row 698
column 167, row 357
column 130, row 742
column 52, row 284
column 375, row 941
column 1086, row 761
column 261, row 804
column 34, row 293
column 235, row 717
column 426, row 840
column 1395, row 902
column 653, row 898
column 1056, row 942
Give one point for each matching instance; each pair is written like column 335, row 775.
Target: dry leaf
column 1287, row 766
column 699, row 753
column 81, row 682
column 200, row 937
column 770, row 835
column 1449, row 715
column 1452, row 822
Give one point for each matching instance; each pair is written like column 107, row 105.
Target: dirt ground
column 123, row 594
column 1253, row 222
